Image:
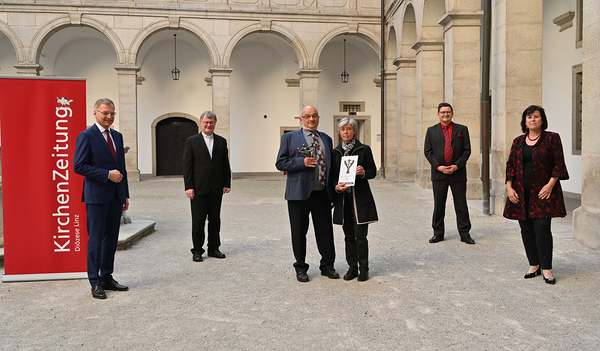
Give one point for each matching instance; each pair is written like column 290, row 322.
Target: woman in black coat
column 354, row 206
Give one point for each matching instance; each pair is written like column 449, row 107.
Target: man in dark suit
column 306, row 157
column 207, row 176
column 100, row 158
column 447, row 148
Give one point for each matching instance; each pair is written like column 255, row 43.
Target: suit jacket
column 300, row 179
column 93, row 160
column 548, row 161
column 461, row 150
column 202, row 173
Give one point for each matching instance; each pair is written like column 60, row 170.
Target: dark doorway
column 170, row 137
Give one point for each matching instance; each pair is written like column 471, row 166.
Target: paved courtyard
column 421, row 296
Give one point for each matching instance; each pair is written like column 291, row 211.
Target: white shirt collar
column 101, row 128
column 207, row 136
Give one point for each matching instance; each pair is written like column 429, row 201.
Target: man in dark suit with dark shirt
column 207, row 176
column 100, row 158
column 305, row 155
column 447, row 148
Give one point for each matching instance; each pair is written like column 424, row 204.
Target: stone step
column 132, row 232
column 128, row 234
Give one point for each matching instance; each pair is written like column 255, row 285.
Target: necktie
column 320, row 157
column 110, row 145
column 448, row 152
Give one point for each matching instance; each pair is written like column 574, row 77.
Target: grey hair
column 209, row 115
column 348, row 121
column 103, row 101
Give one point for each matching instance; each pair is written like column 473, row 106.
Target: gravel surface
column 421, row 296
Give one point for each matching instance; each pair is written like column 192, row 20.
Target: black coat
column 202, row 173
column 461, row 150
column 365, row 210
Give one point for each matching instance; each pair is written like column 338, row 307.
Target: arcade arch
column 158, row 94
column 264, row 98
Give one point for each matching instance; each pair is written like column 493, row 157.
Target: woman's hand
column 341, row 187
column 512, row 194
column 360, row 171
column 546, row 191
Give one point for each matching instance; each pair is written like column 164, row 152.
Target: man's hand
column 126, row 205
column 447, row 169
column 115, row 176
column 310, row 162
column 360, row 171
column 226, row 190
column 189, row 193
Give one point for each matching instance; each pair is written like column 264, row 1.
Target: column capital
column 389, row 75
column 32, row 69
column 428, row 45
column 220, row 71
column 405, row 62
column 309, row 73
column 127, row 69
column 461, row 19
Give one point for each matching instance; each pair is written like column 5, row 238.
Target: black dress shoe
column 466, row 238
column 112, row 284
column 302, row 277
column 351, row 274
column 436, row 239
column 330, row 273
column 550, row 281
column 216, row 254
column 363, row 275
column 98, row 292
column 533, row 274
column 197, row 257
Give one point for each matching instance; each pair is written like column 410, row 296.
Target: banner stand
column 45, row 232
column 47, row 276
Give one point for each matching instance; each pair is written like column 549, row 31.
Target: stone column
column 430, row 92
column 220, row 99
column 586, row 219
column 126, row 121
column 516, row 80
column 463, row 84
column 407, row 118
column 28, row 69
column 309, row 88
column 392, row 136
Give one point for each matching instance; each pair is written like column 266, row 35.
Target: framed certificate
column 348, row 169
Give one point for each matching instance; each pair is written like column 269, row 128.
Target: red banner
column 45, row 234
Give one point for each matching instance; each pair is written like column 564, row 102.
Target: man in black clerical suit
column 207, row 176
column 447, row 148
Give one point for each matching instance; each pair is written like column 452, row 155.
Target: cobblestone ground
column 421, row 296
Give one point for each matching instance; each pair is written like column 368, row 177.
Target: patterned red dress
column 548, row 161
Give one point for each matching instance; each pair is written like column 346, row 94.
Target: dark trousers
column 355, row 237
column 459, row 194
column 318, row 206
column 203, row 206
column 103, row 222
column 537, row 239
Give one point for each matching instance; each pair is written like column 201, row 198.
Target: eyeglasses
column 313, row 115
column 107, row 113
